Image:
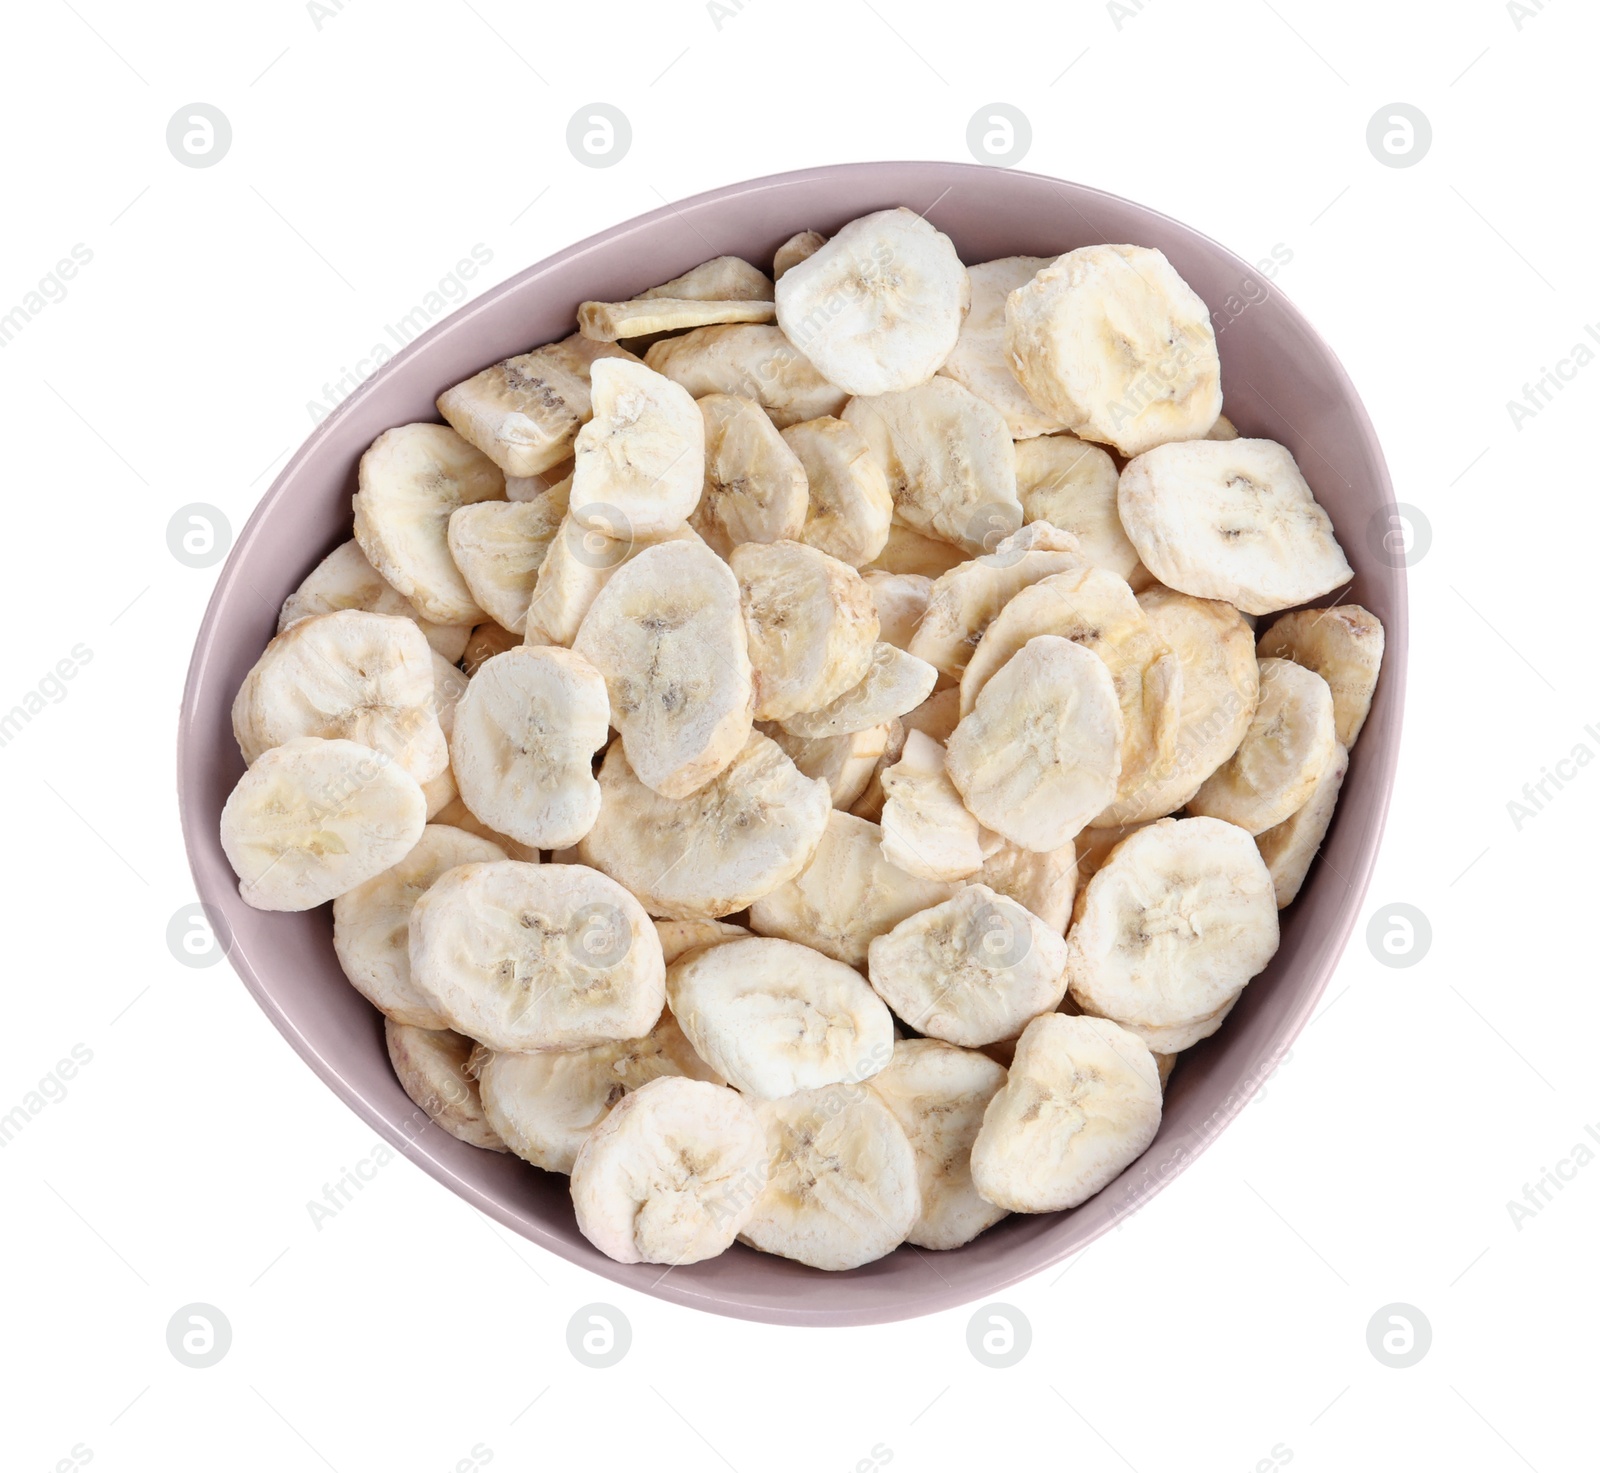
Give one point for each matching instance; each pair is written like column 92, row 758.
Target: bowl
column 1280, row 381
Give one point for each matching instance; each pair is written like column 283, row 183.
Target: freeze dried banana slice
column 1290, row 847
column 668, row 635
column 411, row 480
column 1344, row 645
column 679, row 938
column 498, row 546
column 845, row 763
column 671, row 1174
column 525, row 736
column 439, row 793
column 736, row 839
column 971, row 970
column 605, row 322
column 549, row 956
column 544, row 1105
column 721, row 279
column 1081, row 1103
column 870, row 804
column 895, row 683
column 370, row 935
column 457, row 815
column 1286, row 748
column 1223, row 429
column 314, row 818
column 949, row 460
column 432, row 1067
column 908, row 551
column 811, row 624
column 755, row 486
column 1112, row 341
column 847, row 895
column 927, row 830
column 1174, row 1038
column 346, row 580
column 841, row 1179
column 879, row 307
column 1073, row 485
column 488, row 640
column 1216, row 649
column 1044, row 883
column 1173, row 925
column 938, row 716
column 641, row 458
column 939, row 1094
column 796, row 249
column 1233, row 520
column 754, row 361
column 979, row 361
column 901, row 600
column 523, row 413
column 849, row 508
column 1040, row 753
column 367, row 678
column 772, row 1016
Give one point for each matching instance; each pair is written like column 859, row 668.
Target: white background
column 1226, row 1319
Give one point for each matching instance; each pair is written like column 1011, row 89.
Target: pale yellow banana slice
column 895, row 683
column 1344, row 645
column 1115, row 344
column 711, row 854
column 849, row 507
column 370, row 935
column 1233, row 520
column 721, row 279
column 1040, row 753
column 971, row 970
column 901, row 600
column 979, row 361
column 667, row 633
column 679, row 938
column 1044, row 883
column 939, row 1094
column 845, row 763
column 847, row 895
column 314, row 818
column 549, row 956
column 772, row 1016
column 1290, row 847
column 841, row 1179
column 755, row 486
column 796, row 249
column 1073, row 485
column 457, row 815
column 433, row 1068
column 908, row 551
column 525, row 736
column 1286, row 749
column 1081, row 1103
column 754, row 361
column 606, row 322
column 498, row 546
column 440, row 792
column 488, row 640
column 927, row 830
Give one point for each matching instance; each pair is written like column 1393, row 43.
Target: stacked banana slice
column 807, row 778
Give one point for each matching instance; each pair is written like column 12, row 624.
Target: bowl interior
column 1280, row 381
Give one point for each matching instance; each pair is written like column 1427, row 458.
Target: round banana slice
column 895, row 683
column 549, row 956
column 668, row 634
column 1290, row 847
column 1040, row 752
column 711, row 854
column 927, row 830
column 576, row 566
column 1216, row 649
column 1081, row 1103
column 908, row 551
column 971, row 970
column 314, row 818
column 1344, row 645
column 841, row 1179
column 721, row 279
column 949, row 461
column 979, row 361
column 432, row 1066
column 1115, row 344
column 938, row 716
column 411, row 480
column 901, row 600
column 1073, row 485
column 641, row 459
column 755, row 361
column 671, row 1175
column 878, row 307
column 796, row 249
column 1044, row 883
column 1233, row 520
column 1286, row 748
column 849, row 507
column 488, row 640
column 367, row 678
column 755, row 486
column 346, row 580
column 498, row 546
column 847, row 895
column 811, row 624
column 525, row 737
column 679, row 938
column 1173, row 925
column 939, row 1094
column 370, row 935
column 457, row 815
column 544, row 1105
column 845, row 763
column 773, row 1017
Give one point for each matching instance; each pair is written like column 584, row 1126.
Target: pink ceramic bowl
column 1280, row 381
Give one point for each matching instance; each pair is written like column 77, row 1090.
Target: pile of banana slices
column 807, row 773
